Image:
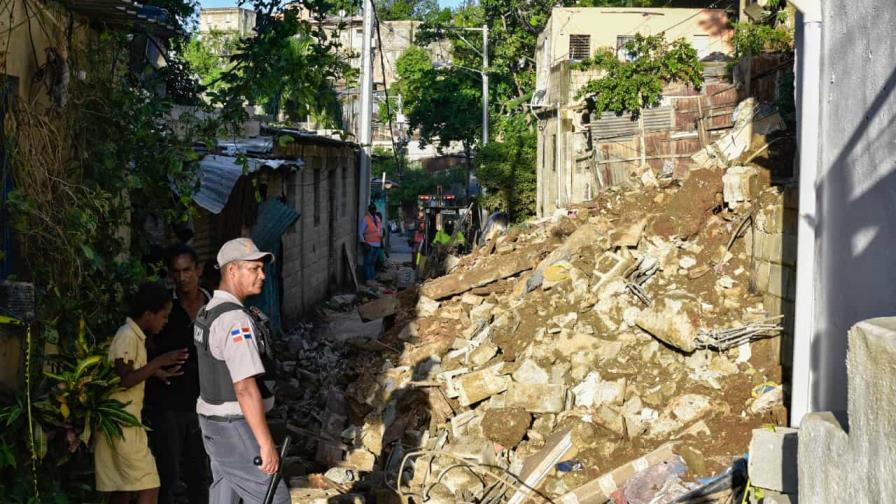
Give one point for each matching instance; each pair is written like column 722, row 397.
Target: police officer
column 233, row 350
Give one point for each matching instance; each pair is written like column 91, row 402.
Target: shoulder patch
column 241, row 332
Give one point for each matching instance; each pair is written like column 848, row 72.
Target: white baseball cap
column 241, row 249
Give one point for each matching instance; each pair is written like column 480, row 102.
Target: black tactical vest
column 215, row 384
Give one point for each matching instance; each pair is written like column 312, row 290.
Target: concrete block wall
column 850, row 459
column 325, row 193
column 774, row 256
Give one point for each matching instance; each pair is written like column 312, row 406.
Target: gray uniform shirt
column 232, row 339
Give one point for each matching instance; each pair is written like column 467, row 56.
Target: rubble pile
column 618, row 350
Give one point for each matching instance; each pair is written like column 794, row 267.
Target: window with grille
column 621, row 52
column 579, row 47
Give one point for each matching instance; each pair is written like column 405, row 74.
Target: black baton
column 275, row 478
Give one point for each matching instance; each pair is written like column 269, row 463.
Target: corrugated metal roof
column 611, row 126
column 127, row 13
column 218, row 175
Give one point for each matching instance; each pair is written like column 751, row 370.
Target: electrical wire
column 379, row 39
column 516, row 485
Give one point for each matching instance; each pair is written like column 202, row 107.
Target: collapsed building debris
column 622, row 345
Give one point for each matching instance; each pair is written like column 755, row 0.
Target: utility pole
column 366, row 109
column 484, row 84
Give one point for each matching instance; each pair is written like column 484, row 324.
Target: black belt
column 224, row 419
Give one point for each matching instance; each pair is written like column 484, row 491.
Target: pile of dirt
column 566, row 360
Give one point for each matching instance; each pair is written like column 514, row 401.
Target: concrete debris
column 380, row 308
column 602, row 334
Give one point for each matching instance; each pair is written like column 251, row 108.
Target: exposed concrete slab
column 854, row 463
column 773, row 459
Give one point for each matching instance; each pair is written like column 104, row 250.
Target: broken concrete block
column 361, row 460
column 773, row 459
column 478, row 449
column 530, row 373
column 482, row 314
column 427, row 307
column 609, row 267
column 478, row 385
column 483, row 354
column 610, row 419
column 453, row 312
column 471, row 299
column 539, row 465
column 690, row 407
column 378, row 308
column 671, row 321
column 610, row 392
column 489, row 270
column 586, row 391
column 536, row 398
column 506, row 426
column 629, row 235
column 565, row 321
column 740, row 184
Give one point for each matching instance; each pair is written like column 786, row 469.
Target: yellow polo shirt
column 126, row 464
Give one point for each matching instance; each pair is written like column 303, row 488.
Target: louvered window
column 579, row 47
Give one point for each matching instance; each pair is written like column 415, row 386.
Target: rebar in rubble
column 638, row 275
column 726, row 339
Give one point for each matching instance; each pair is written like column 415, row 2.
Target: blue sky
column 231, row 3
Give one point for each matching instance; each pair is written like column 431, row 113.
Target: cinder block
column 762, row 272
column 774, row 248
column 773, row 459
column 773, row 304
column 788, row 249
column 782, row 281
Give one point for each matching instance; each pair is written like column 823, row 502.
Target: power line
column 379, row 39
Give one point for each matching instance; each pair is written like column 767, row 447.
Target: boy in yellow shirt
column 125, row 465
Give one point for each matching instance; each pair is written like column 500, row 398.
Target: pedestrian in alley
column 232, row 343
column 370, row 231
column 125, row 465
column 170, row 411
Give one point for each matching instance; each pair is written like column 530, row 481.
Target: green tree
column 629, row 86
column 443, row 104
column 289, row 63
column 208, row 56
column 506, row 169
column 393, row 10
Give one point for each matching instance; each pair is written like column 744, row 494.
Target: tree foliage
column 289, row 63
column 629, row 86
column 394, row 10
column 443, row 104
column 506, row 169
column 750, row 38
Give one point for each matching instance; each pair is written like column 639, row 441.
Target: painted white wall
column 855, row 273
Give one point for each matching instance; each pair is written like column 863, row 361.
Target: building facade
column 227, row 20
column 566, row 148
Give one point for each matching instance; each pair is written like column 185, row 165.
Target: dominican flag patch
column 240, row 333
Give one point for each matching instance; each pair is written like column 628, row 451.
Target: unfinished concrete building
column 573, row 161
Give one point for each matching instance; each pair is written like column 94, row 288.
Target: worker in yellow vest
column 370, row 231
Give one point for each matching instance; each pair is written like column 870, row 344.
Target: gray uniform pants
column 231, row 447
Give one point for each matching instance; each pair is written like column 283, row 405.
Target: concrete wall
column 706, row 28
column 856, row 191
column 17, row 54
column 227, row 19
column 851, row 459
column 773, row 243
column 325, row 192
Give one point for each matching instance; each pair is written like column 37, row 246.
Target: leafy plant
column 506, row 169
column 629, row 86
column 750, row 38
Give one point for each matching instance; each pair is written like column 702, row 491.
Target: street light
column 483, row 73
